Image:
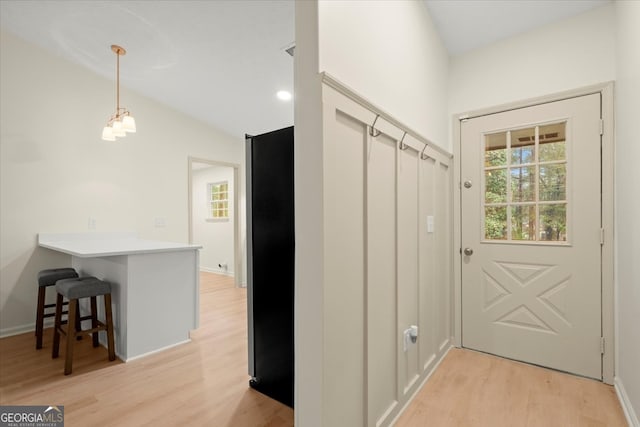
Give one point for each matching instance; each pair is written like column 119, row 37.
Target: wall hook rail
column 372, row 130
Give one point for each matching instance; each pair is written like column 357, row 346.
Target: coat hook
column 372, row 130
column 422, row 155
column 403, row 146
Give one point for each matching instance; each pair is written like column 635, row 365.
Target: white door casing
column 537, row 301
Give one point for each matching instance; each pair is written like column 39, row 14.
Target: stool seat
column 48, row 278
column 83, row 287
column 51, row 276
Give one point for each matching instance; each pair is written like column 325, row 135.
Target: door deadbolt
column 468, row 251
column 467, row 184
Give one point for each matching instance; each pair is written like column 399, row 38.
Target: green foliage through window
column 525, row 178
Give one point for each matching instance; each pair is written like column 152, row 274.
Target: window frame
column 214, row 205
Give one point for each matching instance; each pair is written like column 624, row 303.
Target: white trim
column 345, row 90
column 217, row 271
column 424, row 381
column 237, row 247
column 140, row 356
column 608, row 224
column 457, row 235
column 608, row 308
column 627, row 408
column 22, row 329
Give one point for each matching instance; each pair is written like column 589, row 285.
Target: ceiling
column 223, row 61
column 465, row 25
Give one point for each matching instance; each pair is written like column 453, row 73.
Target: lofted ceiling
column 465, row 25
column 222, row 61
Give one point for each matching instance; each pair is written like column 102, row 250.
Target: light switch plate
column 430, row 224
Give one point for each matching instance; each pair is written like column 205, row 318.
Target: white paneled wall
column 385, row 269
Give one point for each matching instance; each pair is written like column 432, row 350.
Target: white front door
column 531, row 235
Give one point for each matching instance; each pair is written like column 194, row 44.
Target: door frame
column 607, row 144
column 237, row 250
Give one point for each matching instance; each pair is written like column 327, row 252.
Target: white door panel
column 531, row 284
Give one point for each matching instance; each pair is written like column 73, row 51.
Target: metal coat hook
column 403, row 146
column 372, row 130
column 422, row 155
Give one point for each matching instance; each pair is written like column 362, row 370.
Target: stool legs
column 72, row 332
column 71, row 335
column 56, row 328
column 94, row 321
column 40, row 316
column 109, row 320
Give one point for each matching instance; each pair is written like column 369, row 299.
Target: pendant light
column 121, row 122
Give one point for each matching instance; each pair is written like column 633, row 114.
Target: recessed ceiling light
column 284, row 95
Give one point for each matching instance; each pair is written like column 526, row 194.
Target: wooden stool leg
column 56, row 328
column 42, row 292
column 94, row 321
column 78, row 322
column 71, row 335
column 109, row 321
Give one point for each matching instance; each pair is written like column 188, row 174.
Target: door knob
column 468, row 251
column 467, row 184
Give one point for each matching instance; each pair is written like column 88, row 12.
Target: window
column 525, row 184
column 218, row 200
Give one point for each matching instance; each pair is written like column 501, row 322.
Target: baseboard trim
column 216, row 271
column 627, row 408
column 23, row 329
column 422, row 383
column 140, row 356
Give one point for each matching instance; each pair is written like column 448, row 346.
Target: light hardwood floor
column 204, row 383
column 479, row 390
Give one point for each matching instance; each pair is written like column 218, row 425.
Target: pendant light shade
column 121, row 121
column 129, row 124
column 107, row 134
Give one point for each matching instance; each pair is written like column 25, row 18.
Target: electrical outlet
column 159, row 222
column 91, row 224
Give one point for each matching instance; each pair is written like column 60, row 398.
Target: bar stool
column 74, row 289
column 48, row 278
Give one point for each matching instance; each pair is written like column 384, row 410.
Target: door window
column 525, row 184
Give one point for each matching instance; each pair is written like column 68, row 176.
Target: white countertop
column 88, row 245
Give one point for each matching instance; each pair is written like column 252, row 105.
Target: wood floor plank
column 480, row 390
column 205, row 383
column 202, row 383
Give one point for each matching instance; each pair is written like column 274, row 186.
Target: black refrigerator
column 270, row 262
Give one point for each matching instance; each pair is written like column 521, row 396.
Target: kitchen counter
column 155, row 285
column 87, row 245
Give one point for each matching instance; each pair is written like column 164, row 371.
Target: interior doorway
column 214, row 216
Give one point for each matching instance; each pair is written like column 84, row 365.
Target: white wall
column 215, row 236
column 309, row 229
column 569, row 54
column 56, row 172
column 390, row 53
column 627, row 202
